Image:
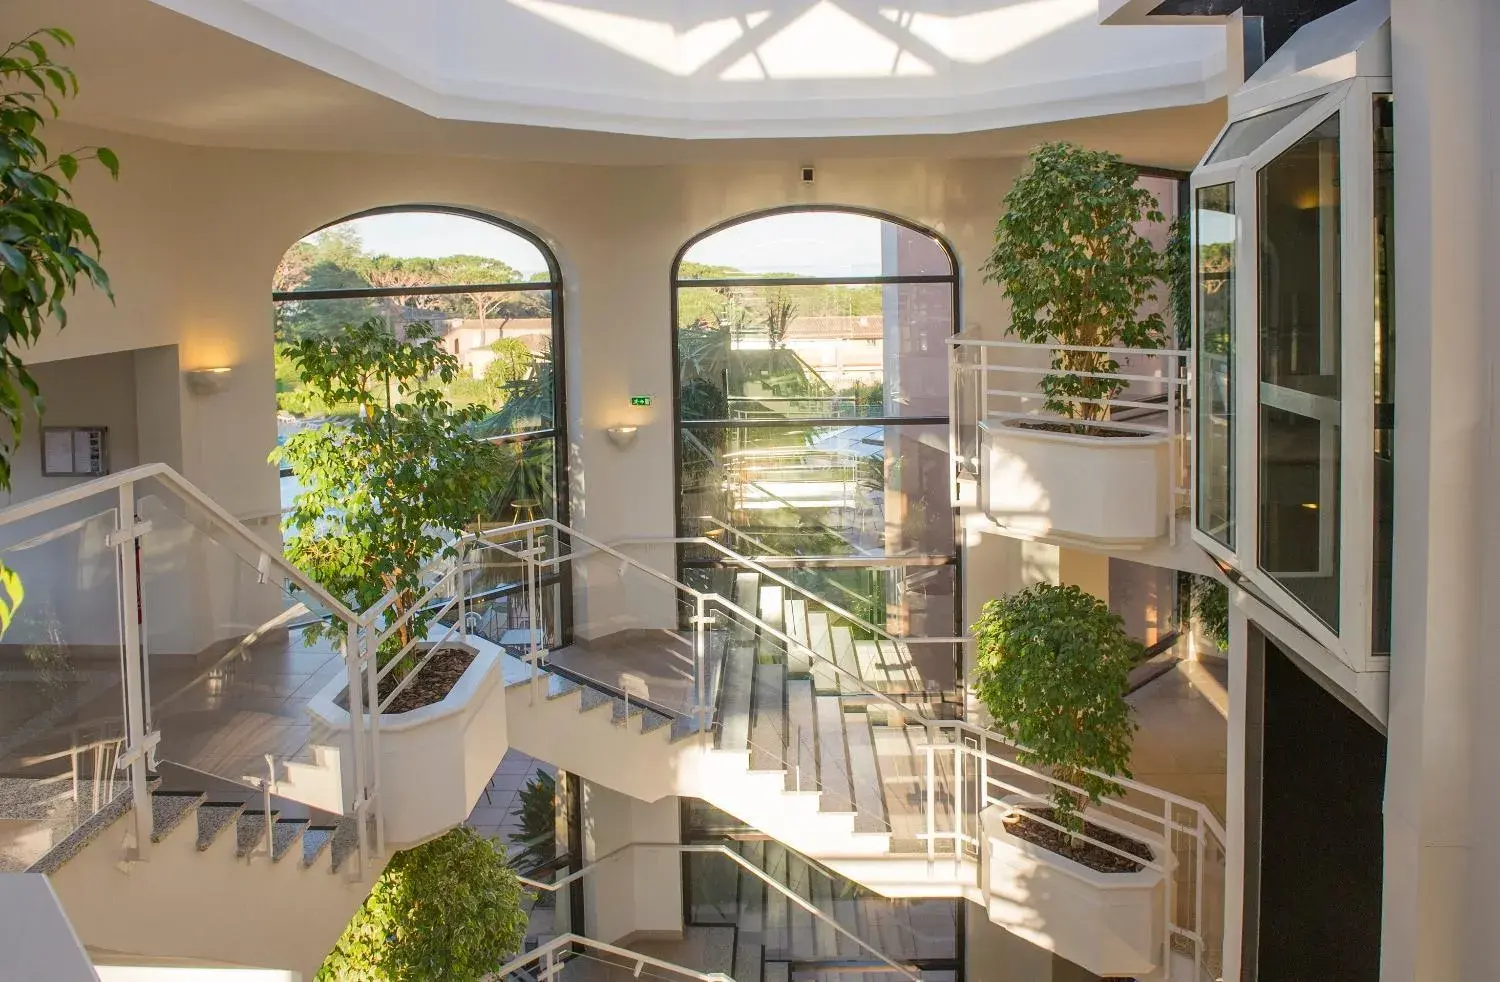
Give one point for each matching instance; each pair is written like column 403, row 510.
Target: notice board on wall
column 75, row 451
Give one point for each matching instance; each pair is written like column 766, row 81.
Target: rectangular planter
column 1112, row 924
column 1039, row 483
column 434, row 761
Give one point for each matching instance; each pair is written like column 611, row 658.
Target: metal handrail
column 743, row 863
column 548, row 952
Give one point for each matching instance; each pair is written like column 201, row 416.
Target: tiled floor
column 1182, row 743
column 495, row 814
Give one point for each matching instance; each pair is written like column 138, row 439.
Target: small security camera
column 807, row 175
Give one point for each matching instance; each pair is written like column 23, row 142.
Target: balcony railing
column 1119, row 398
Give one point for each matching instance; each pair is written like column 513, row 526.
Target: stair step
column 771, row 609
column 250, row 831
column 804, row 941
column 559, row 686
column 747, row 958
column 867, row 655
column 735, row 696
column 864, row 770
column 623, row 711
column 798, row 662
column 768, row 714
column 820, row 640
column 315, row 840
column 776, row 972
column 843, row 654
column 170, row 808
column 833, row 757
column 802, row 737
column 752, row 924
column 827, row 939
column 345, row 843
column 778, row 924
column 652, row 720
column 846, row 912
column 285, row 834
column 214, row 817
column 594, row 698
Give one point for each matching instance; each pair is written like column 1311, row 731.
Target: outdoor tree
column 449, row 909
column 1053, row 665
column 536, row 810
column 1070, row 254
column 47, row 246
column 384, row 491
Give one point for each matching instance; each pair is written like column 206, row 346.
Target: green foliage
column 1178, row 271
column 1211, row 607
column 384, row 491
column 1077, row 270
column 1053, row 665
column 537, row 810
column 46, row 245
column 448, row 909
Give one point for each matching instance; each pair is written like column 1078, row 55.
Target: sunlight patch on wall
column 985, row 35
column 657, row 43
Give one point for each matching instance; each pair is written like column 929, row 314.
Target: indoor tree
column 451, row 908
column 386, row 490
column 1071, row 257
column 46, row 244
column 1053, row 665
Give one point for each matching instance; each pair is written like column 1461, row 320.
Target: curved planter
column 1112, row 924
column 1036, row 482
column 434, row 761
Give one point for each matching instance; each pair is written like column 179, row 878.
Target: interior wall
column 639, row 894
column 192, row 234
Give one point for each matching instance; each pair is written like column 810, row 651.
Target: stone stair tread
column 594, row 698
column 286, row 833
column 87, row 831
column 315, row 840
column 826, row 938
column 622, row 711
column 798, row 661
column 752, row 923
column 747, row 958
column 820, row 640
column 735, row 696
column 833, row 760
column 250, row 830
column 846, row 912
column 214, row 817
column 843, row 653
column 867, row 654
column 170, row 809
column 768, row 717
column 771, row 609
column 776, row 972
column 778, row 924
column 345, row 843
column 802, row 737
column 864, row 771
column 652, row 720
column 803, row 939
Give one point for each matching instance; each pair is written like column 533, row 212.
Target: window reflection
column 1385, row 421
column 1300, row 376
column 1215, row 262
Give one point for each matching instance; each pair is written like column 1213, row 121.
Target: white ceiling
column 146, row 70
column 714, row 69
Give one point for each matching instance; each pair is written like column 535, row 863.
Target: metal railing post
column 533, row 612
column 353, row 662
column 461, row 587
column 1198, row 925
column 138, row 746
column 958, row 802
column 931, row 801
column 700, row 660
column 371, row 665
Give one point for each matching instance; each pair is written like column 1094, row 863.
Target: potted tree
column 1081, row 275
column 1052, row 669
column 387, row 488
column 451, row 908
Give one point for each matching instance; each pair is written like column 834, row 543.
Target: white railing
column 130, row 580
column 1141, row 392
column 708, row 849
column 546, row 962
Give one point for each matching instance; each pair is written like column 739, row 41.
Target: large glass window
column 812, row 407
column 491, row 295
column 1215, row 231
column 1300, row 353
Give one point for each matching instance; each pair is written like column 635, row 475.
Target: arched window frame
column 950, row 278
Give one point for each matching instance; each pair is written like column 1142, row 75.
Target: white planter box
column 1036, row 482
column 434, row 761
column 1112, row 924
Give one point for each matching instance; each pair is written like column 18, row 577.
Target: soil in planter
column 1080, row 428
column 434, row 682
column 1083, row 852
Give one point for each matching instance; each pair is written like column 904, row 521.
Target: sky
column 810, row 243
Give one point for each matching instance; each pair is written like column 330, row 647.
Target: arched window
column 812, row 409
column 491, row 293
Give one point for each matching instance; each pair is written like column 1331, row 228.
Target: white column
column 1440, row 862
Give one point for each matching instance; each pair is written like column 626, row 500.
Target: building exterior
column 773, row 451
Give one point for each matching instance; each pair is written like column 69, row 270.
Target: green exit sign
column 640, row 400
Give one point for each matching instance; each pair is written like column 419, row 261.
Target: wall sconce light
column 622, row 436
column 208, row 381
